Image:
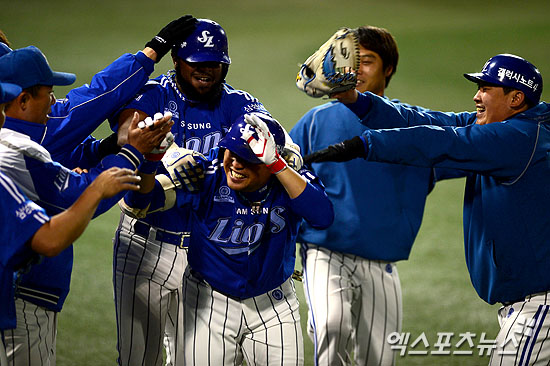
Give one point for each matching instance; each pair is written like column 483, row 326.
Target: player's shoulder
column 240, row 101
column 331, row 111
column 15, row 144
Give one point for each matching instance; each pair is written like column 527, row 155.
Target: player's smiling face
column 492, row 104
column 371, row 75
column 200, row 80
column 242, row 175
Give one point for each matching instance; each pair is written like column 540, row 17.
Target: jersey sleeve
column 501, row 149
column 21, row 219
column 76, row 116
column 313, row 203
column 68, row 186
column 149, row 99
column 383, row 113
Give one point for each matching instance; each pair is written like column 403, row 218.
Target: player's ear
column 518, row 99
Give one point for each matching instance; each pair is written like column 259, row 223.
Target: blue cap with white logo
column 28, row 66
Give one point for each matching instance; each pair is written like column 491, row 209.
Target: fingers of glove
column 190, row 177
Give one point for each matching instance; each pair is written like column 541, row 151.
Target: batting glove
column 174, row 31
column 292, row 156
column 264, row 146
column 108, row 146
column 342, row 151
column 184, row 168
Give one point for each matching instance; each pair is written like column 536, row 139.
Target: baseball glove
column 332, row 68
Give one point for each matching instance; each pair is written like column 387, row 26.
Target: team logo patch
column 224, row 195
column 389, row 268
column 277, row 294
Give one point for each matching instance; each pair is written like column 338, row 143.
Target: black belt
column 181, row 240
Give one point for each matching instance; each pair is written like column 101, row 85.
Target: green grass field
column 438, row 42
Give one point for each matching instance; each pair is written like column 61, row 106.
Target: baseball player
column 240, row 300
column 42, row 291
column 26, row 226
column 150, row 253
column 27, row 229
column 351, row 281
column 504, row 146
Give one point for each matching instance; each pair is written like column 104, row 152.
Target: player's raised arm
column 308, row 200
column 64, row 228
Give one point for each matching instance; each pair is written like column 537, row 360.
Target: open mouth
column 480, row 109
column 236, row 175
column 203, row 79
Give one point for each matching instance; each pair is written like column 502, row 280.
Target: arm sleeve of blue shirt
column 313, row 204
column 74, row 118
column 68, row 186
column 21, row 218
column 501, row 149
column 378, row 113
column 85, row 156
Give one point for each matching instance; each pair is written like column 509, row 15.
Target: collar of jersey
column 35, row 131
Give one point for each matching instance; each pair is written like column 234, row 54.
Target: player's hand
column 176, row 30
column 79, row 170
column 149, row 134
column 114, row 180
column 346, row 97
column 264, row 146
column 342, row 151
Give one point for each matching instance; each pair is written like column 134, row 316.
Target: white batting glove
column 264, row 146
column 184, row 169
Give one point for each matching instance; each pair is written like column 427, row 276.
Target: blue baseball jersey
column 75, row 117
column 198, row 127
column 72, row 120
column 55, row 188
column 506, row 221
column 379, row 207
column 238, row 251
column 21, row 218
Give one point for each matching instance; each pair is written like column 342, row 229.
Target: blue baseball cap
column 28, row 66
column 4, row 48
column 9, row 92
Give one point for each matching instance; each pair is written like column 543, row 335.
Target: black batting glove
column 108, row 146
column 174, row 31
column 342, row 151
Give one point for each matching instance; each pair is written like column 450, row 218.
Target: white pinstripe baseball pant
column 33, row 341
column 354, row 304
column 148, row 277
column 524, row 336
column 222, row 330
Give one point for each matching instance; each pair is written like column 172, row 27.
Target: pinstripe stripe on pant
column 354, row 304
column 33, row 341
column 147, row 278
column 524, row 336
column 222, row 330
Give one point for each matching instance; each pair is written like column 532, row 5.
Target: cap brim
column 475, row 77
column 9, row 92
column 62, row 78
